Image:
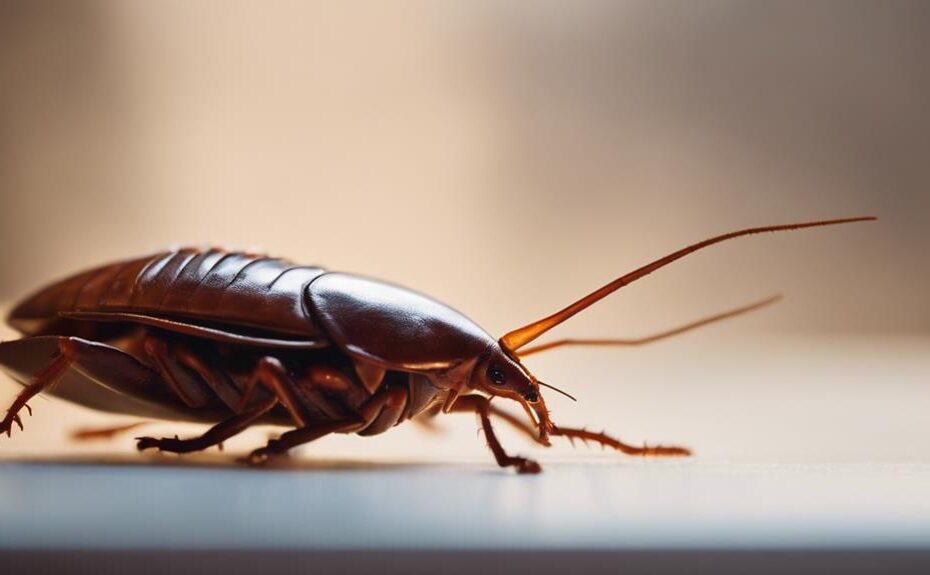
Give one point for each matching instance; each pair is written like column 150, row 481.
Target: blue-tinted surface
column 632, row 505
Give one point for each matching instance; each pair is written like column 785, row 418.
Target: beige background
column 507, row 158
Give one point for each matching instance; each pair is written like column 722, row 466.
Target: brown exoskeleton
column 236, row 339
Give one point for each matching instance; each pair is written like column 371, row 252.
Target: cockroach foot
column 525, row 466
column 6, row 426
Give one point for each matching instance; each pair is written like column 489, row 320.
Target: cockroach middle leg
column 518, row 424
column 213, row 436
column 44, row 380
column 271, row 373
column 295, row 437
column 480, row 405
column 388, row 399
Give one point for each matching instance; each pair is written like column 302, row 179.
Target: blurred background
column 506, row 157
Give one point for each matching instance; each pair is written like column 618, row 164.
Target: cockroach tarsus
column 235, row 339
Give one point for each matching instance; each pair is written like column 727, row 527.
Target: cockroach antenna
column 518, row 338
column 554, row 388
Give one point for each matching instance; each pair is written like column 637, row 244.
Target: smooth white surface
column 637, row 505
column 800, row 443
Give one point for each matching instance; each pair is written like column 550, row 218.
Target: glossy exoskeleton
column 235, row 339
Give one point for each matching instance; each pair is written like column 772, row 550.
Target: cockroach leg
column 480, row 405
column 190, row 390
column 518, row 424
column 43, row 381
column 387, row 399
column 94, row 433
column 271, row 373
column 321, row 384
column 213, row 436
column 608, row 441
column 175, row 363
column 295, row 437
column 216, row 380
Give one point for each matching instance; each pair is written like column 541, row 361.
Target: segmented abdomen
column 231, row 288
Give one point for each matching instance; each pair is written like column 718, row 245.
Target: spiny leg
column 44, row 380
column 608, row 441
column 387, row 398
column 213, row 436
column 480, row 405
column 583, row 434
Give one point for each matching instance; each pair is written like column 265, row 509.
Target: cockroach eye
column 496, row 375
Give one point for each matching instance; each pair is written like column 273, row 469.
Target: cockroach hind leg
column 45, row 379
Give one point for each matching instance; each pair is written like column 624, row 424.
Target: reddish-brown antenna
column 653, row 337
column 519, row 337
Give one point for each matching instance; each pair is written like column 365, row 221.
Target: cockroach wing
column 392, row 326
column 232, row 297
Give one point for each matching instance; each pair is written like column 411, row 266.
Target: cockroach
column 236, row 339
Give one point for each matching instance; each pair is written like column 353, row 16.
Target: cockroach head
column 499, row 373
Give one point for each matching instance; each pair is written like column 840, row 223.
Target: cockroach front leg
column 584, row 435
column 44, row 380
column 482, row 406
column 608, row 441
